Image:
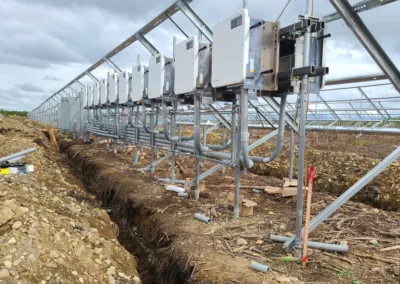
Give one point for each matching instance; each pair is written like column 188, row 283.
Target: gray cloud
column 51, row 78
column 29, row 87
column 55, row 40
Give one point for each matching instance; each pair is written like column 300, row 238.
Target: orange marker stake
column 308, row 213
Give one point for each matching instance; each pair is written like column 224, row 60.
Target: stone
column 111, row 280
column 396, row 270
column 7, row 264
column 17, row 262
column 283, row 279
column 6, row 214
column 282, row 227
column 51, row 265
column 12, row 241
column 289, row 234
column 23, row 209
column 294, row 279
column 81, row 279
column 122, row 275
column 111, row 270
column 343, row 243
column 17, row 225
column 54, row 254
column 373, row 242
column 4, row 273
column 136, row 280
column 376, row 210
column 74, row 273
column 241, row 242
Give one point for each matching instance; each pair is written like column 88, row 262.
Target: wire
column 283, row 11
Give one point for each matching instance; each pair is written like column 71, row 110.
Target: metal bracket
column 147, row 44
column 195, row 19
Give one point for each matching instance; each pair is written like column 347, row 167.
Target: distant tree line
column 13, row 112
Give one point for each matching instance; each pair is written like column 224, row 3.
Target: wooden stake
column 308, row 214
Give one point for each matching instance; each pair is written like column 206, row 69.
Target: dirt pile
column 50, row 229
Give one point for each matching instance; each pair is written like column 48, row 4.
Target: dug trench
column 140, row 233
column 172, row 247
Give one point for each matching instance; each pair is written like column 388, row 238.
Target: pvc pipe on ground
column 202, row 218
column 16, row 155
column 322, row 246
column 182, row 194
column 175, row 188
column 259, row 267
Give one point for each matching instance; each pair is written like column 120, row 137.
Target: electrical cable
column 283, row 11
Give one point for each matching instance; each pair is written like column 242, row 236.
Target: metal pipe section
column 244, row 128
column 281, row 136
column 322, row 246
column 203, row 218
column 16, row 155
column 144, row 124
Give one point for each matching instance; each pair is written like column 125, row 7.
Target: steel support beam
column 218, row 116
column 328, row 211
column 176, row 25
column 112, row 65
column 372, row 46
column 359, row 7
column 195, row 19
column 288, row 118
column 372, row 104
column 91, row 76
column 147, row 44
column 356, row 79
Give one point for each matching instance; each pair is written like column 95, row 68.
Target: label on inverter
column 158, row 59
column 189, row 45
column 138, row 68
column 236, row 22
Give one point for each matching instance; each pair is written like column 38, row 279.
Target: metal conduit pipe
column 104, row 134
column 244, row 128
column 203, row 150
column 329, row 247
column 281, row 133
column 165, row 128
column 144, row 115
column 220, row 147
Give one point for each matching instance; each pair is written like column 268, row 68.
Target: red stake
column 308, row 213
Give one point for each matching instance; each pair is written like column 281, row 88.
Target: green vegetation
column 13, row 112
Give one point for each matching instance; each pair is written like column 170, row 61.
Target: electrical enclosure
column 95, row 90
column 137, row 82
column 186, row 66
column 103, row 91
column 156, row 76
column 230, row 50
column 112, row 87
column 84, row 95
column 123, row 87
column 89, row 95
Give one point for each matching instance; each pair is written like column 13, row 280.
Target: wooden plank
column 288, row 183
column 289, row 191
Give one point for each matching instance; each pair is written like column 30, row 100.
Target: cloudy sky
column 44, row 44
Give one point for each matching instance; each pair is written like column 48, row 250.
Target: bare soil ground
column 51, row 230
column 186, row 250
